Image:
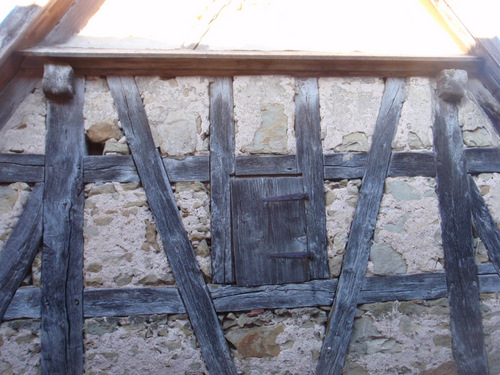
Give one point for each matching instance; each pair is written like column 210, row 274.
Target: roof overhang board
column 221, row 63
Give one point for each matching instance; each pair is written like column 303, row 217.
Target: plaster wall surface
column 123, row 248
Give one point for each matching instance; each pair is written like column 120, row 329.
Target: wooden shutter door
column 269, row 230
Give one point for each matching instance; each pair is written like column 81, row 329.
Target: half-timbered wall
column 123, row 248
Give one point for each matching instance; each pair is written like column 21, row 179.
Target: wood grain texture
column 489, row 50
column 340, row 322
column 222, row 166
column 14, row 93
column 133, row 301
column 261, row 165
column 227, row 298
column 179, row 251
column 486, row 227
column 220, row 63
column 21, row 248
column 310, row 164
column 264, row 228
column 456, row 227
column 21, row 167
column 62, row 255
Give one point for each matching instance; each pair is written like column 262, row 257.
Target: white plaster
column 348, row 106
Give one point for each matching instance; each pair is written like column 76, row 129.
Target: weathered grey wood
column 260, row 165
column 62, row 254
column 353, row 165
column 179, row 251
column 482, row 160
column 486, row 227
column 222, row 166
column 489, row 50
column 191, row 168
column 122, row 302
column 121, row 168
column 14, row 93
column 58, row 81
column 264, row 227
column 340, row 323
column 226, row 298
column 21, row 248
column 73, row 21
column 26, row 304
column 461, row 271
column 486, row 101
column 310, row 164
column 21, row 167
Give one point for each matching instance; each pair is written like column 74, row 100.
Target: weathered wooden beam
column 21, row 167
column 486, row 227
column 21, row 248
column 121, row 168
column 456, row 227
column 222, row 167
column 310, row 165
column 14, row 93
column 340, row 322
column 62, row 255
column 220, row 63
column 227, row 298
column 179, row 251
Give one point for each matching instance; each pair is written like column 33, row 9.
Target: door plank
column 222, row 166
column 62, row 254
column 310, row 164
column 456, row 227
column 179, row 250
column 340, row 322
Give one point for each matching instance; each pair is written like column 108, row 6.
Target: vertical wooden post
column 62, row 257
column 454, row 205
column 222, row 166
column 340, row 321
column 310, row 164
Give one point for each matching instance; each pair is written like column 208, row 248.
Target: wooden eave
column 169, row 63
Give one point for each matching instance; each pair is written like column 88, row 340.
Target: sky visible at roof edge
column 486, row 11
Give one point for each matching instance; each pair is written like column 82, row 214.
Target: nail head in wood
column 451, row 85
column 58, row 82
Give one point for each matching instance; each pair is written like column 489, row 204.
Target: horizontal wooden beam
column 120, row 168
column 166, row 300
column 221, row 63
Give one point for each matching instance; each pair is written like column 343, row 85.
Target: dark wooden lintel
column 230, row 63
column 227, row 298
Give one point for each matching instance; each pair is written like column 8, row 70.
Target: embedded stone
column 100, row 132
column 271, row 137
column 102, row 189
column 111, row 147
column 94, row 267
column 451, row 85
column 447, row 368
column 259, row 342
column 353, row 142
column 386, row 261
column 8, row 198
column 415, row 142
column 402, row 190
column 477, row 138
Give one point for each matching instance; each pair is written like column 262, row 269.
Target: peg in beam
column 58, row 82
